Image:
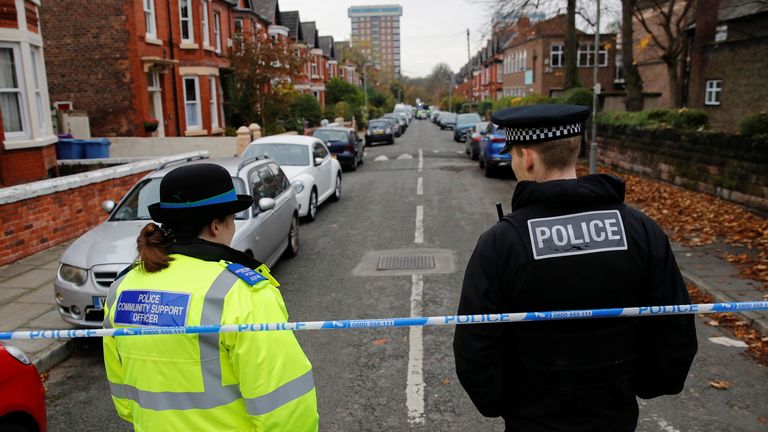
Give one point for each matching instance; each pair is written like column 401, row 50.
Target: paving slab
column 14, row 315
column 30, row 279
column 8, row 294
column 13, row 270
column 50, row 320
column 42, row 295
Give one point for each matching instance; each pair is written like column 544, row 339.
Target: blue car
column 491, row 159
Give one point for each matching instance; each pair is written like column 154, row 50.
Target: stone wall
column 732, row 167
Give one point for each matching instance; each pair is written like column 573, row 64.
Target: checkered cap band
column 528, row 135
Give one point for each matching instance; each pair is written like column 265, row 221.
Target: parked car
column 344, row 143
column 490, row 158
column 447, row 121
column 421, row 114
column 22, row 395
column 380, row 130
column 266, row 231
column 434, row 116
column 314, row 174
column 394, row 124
column 463, row 123
column 399, row 119
column 472, row 146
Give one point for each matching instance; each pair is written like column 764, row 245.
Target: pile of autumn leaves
column 695, row 219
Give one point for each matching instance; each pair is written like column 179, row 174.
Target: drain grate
column 415, row 262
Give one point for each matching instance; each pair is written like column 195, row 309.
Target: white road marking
column 420, row 186
column 381, row 158
column 415, row 385
column 421, row 160
column 666, row 427
column 404, row 156
column 722, row 340
column 435, row 151
column 459, row 152
column 419, row 237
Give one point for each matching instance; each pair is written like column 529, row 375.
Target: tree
column 665, row 22
column 571, row 48
column 307, row 107
column 337, row 90
column 633, row 85
column 259, row 68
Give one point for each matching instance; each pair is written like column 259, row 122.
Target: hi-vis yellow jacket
column 251, row 381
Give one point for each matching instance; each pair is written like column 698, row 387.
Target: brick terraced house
column 27, row 152
column 134, row 60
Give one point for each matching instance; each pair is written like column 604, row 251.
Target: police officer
column 187, row 275
column 569, row 243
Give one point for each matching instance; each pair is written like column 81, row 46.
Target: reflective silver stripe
column 213, row 394
column 111, row 297
column 288, row 392
column 161, row 401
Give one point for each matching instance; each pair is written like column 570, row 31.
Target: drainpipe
column 173, row 68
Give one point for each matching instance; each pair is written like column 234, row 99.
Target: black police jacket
column 572, row 244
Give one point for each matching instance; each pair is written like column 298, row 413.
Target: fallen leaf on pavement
column 763, row 420
column 720, row 384
column 378, row 342
column 446, row 381
column 713, row 323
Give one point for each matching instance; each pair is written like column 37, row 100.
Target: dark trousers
column 608, row 407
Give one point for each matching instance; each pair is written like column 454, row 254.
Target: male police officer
column 569, row 244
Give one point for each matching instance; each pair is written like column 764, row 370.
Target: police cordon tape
column 446, row 320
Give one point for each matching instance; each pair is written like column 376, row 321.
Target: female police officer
column 187, row 275
column 569, row 244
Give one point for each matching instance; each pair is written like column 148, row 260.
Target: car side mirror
column 266, row 204
column 108, row 206
column 318, row 161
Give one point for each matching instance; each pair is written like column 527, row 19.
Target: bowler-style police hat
column 197, row 191
column 533, row 124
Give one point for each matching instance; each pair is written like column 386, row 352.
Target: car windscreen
column 377, row 124
column 283, row 154
column 135, row 206
column 450, row 117
column 331, row 135
column 467, row 119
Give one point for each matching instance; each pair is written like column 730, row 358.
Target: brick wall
column 38, row 223
column 88, row 62
column 27, row 165
column 8, row 17
column 730, row 166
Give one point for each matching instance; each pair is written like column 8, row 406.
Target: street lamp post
column 595, row 93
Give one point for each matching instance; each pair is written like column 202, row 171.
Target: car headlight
column 298, row 186
column 73, row 274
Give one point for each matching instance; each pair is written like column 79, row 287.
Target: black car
column 344, row 143
column 380, row 130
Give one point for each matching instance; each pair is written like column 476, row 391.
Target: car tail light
column 17, row 354
column 498, row 139
column 349, row 147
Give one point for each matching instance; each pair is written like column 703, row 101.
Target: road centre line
column 414, row 391
column 421, row 160
column 420, row 186
column 419, row 235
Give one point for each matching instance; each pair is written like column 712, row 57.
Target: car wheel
column 353, row 165
column 473, row 154
column 337, row 189
column 15, row 427
column 312, row 211
column 488, row 170
column 293, row 238
column 481, row 162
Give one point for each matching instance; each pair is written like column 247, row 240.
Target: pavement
column 27, row 301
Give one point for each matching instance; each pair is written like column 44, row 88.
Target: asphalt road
column 401, row 379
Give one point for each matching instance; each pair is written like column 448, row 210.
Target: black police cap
column 533, row 124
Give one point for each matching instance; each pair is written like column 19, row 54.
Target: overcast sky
column 432, row 31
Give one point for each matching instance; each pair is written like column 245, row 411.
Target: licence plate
column 378, row 132
column 98, row 302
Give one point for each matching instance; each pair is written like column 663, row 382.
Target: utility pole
column 595, row 93
column 468, row 56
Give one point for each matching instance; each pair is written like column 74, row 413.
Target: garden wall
column 39, row 215
column 732, row 167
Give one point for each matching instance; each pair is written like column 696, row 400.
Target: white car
column 314, row 174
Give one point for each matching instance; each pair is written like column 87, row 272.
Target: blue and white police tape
column 446, row 320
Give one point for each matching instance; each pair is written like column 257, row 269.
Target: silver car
column 266, row 231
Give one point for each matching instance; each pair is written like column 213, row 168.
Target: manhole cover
column 417, row 262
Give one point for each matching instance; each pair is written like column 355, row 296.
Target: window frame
column 217, row 31
column 22, row 96
column 198, row 103
column 214, row 102
column 188, row 21
column 150, row 20
column 204, row 22
column 559, row 54
column 712, row 92
column 36, row 58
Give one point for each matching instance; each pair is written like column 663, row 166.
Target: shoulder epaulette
column 250, row 276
